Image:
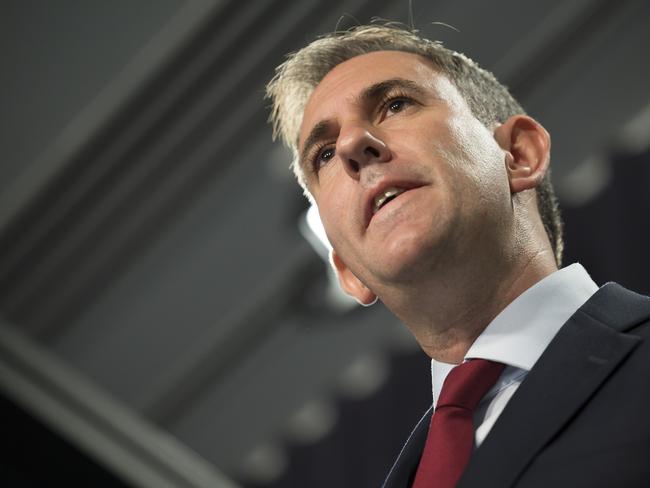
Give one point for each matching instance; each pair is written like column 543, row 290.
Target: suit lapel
column 578, row 360
column 403, row 471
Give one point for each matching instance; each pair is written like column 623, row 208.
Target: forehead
column 346, row 80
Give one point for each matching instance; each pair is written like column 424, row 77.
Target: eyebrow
column 378, row 90
column 369, row 95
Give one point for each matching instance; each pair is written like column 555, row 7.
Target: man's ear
column 352, row 285
column 527, row 146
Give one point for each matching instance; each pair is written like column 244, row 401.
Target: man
column 433, row 187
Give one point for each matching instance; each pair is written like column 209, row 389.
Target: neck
column 446, row 320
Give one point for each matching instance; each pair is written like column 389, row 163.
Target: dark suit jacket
column 581, row 418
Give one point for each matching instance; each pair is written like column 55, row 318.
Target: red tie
column 451, row 433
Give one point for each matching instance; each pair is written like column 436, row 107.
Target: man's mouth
column 385, row 196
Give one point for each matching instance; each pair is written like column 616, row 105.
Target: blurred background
column 164, row 319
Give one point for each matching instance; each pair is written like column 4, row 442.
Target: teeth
column 384, row 196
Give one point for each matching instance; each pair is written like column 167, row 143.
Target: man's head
column 341, row 92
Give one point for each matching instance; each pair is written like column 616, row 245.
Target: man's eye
column 397, row 105
column 323, row 156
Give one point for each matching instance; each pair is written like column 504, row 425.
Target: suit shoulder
column 619, row 308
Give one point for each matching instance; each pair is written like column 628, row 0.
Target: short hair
column 490, row 101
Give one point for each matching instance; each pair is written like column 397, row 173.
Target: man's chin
column 405, row 269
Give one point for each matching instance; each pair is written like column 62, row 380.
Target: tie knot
column 468, row 382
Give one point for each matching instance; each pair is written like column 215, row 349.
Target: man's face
column 407, row 181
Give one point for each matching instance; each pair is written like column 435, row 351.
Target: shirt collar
column 521, row 332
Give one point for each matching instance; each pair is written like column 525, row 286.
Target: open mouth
column 385, row 196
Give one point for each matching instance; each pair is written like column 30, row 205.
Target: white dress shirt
column 518, row 336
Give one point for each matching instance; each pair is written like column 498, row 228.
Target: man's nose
column 359, row 147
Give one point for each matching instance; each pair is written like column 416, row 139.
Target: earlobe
column 527, row 147
column 352, row 285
